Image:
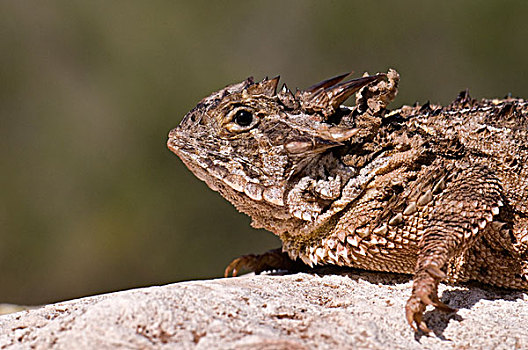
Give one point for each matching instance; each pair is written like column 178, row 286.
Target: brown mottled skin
column 438, row 192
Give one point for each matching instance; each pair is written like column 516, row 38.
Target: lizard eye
column 240, row 120
column 243, row 118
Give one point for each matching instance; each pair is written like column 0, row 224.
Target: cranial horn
column 250, row 80
column 287, row 98
column 271, row 85
column 265, row 87
column 339, row 93
column 327, row 83
column 328, row 100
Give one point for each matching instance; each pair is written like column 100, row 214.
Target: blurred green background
column 91, row 199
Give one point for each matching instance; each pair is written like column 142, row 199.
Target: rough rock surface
column 301, row 311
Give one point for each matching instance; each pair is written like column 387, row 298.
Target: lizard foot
column 271, row 260
column 425, row 292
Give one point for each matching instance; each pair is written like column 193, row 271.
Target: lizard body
column 438, row 192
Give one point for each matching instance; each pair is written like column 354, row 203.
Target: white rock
column 301, row 311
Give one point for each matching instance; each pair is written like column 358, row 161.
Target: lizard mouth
column 173, row 142
column 220, row 177
column 187, row 153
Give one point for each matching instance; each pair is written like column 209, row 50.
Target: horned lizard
column 437, row 192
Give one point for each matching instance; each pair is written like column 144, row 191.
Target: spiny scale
column 439, row 192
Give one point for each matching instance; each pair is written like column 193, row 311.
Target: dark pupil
column 243, row 118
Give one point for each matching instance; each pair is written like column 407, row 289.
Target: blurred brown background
column 91, row 199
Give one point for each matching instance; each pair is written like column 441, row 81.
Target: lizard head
column 248, row 141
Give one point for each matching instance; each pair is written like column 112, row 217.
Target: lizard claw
column 244, row 262
column 424, row 293
column 414, row 313
column 434, row 301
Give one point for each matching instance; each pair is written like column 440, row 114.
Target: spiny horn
column 312, row 145
column 339, row 93
column 265, row 87
column 323, row 139
column 327, row 83
column 273, row 83
column 287, row 98
column 327, row 101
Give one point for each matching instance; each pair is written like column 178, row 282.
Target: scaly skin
column 438, row 192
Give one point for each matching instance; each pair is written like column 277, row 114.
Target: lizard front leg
column 456, row 218
column 274, row 259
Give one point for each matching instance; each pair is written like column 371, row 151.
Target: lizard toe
column 414, row 313
column 247, row 262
